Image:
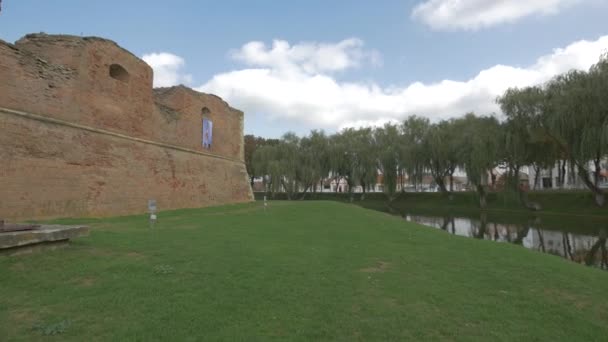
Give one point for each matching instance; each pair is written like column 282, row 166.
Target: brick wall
column 77, row 142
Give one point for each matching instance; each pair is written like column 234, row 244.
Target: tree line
column 562, row 122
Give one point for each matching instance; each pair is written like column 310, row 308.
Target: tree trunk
column 451, row 180
column 536, row 175
column 521, row 234
column 523, row 197
column 601, row 243
column 541, row 240
column 600, row 198
column 572, row 177
column 287, row 189
column 596, row 174
column 441, row 184
column 559, row 174
column 304, row 193
column 515, row 179
column 363, row 188
column 567, row 247
column 446, row 223
column 483, row 224
column 482, row 196
column 563, row 179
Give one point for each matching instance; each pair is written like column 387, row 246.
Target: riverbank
column 556, row 203
column 296, row 270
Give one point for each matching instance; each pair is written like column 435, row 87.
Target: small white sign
column 152, row 206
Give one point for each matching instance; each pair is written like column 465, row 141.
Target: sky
column 302, row 65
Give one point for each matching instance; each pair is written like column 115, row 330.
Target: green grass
column 311, row 270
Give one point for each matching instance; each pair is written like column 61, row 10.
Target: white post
column 152, row 211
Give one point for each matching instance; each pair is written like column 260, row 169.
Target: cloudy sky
column 295, row 66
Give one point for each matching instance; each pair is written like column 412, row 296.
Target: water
column 572, row 238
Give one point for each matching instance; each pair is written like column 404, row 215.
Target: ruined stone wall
column 78, row 139
column 186, row 130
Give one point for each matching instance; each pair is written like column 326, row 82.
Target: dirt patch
column 101, row 252
column 21, row 316
column 391, row 302
column 88, row 282
column 135, row 255
column 577, row 301
column 236, row 211
column 94, row 251
column 18, row 266
column 380, row 266
column 85, row 281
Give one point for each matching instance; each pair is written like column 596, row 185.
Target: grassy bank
column 301, row 270
column 551, row 202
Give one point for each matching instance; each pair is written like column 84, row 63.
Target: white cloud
column 167, row 69
column 475, row 14
column 308, row 58
column 319, row 100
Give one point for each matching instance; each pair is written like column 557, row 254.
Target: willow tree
column 524, row 144
column 319, row 147
column 309, row 168
column 412, row 147
column 265, row 164
column 365, row 162
column 337, row 156
column 289, row 160
column 442, row 152
column 480, row 143
column 576, row 117
column 279, row 165
column 387, row 140
column 252, row 143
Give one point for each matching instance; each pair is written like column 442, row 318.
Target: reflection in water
column 584, row 249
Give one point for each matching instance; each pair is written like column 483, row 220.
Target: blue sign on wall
column 207, row 133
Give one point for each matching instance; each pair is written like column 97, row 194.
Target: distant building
column 566, row 177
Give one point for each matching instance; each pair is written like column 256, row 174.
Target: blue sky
column 339, row 63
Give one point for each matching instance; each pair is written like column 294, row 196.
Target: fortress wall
column 29, row 82
column 76, row 141
column 186, row 131
column 94, row 98
column 50, row 170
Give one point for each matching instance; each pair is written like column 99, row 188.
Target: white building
column 550, row 178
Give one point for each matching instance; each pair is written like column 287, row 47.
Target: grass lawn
column 305, row 270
